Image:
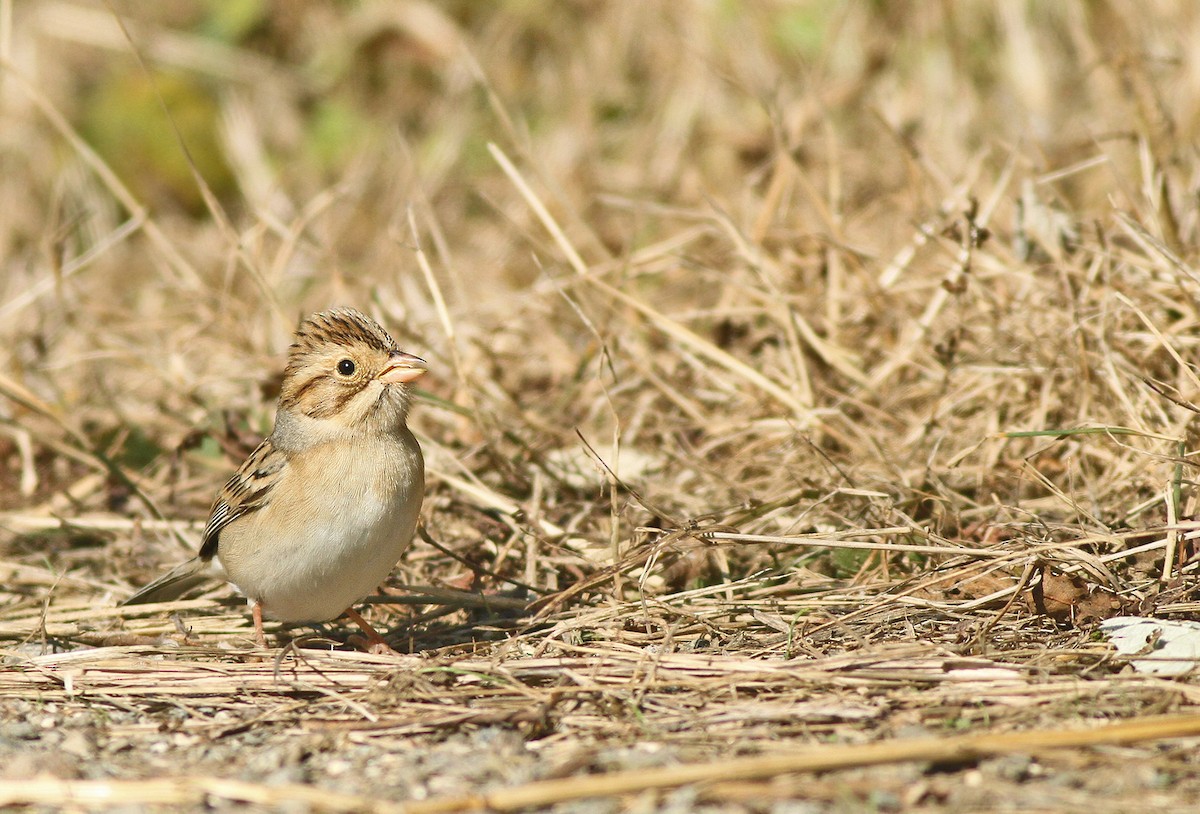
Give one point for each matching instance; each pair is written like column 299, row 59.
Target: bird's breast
column 337, row 522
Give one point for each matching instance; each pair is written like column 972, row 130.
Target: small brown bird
column 320, row 513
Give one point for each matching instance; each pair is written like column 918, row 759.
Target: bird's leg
column 259, row 635
column 376, row 642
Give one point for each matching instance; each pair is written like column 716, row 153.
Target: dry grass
column 804, row 376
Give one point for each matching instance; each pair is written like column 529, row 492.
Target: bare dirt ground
column 808, row 381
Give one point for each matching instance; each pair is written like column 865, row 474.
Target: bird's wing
column 247, row 491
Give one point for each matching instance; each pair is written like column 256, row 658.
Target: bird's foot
column 374, row 643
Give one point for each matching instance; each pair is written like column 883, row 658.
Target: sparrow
column 322, row 510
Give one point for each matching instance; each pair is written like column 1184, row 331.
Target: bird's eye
column 346, row 367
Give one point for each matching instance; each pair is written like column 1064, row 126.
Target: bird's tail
column 175, row 583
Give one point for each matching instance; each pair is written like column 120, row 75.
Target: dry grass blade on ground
column 806, row 379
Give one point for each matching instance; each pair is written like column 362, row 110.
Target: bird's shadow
column 420, row 633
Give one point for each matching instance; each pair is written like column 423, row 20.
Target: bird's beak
column 402, row 367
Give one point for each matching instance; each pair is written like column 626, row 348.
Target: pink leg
column 378, row 645
column 259, row 635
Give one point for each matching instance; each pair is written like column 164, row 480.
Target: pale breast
column 339, row 519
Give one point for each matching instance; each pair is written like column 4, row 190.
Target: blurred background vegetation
column 913, row 219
